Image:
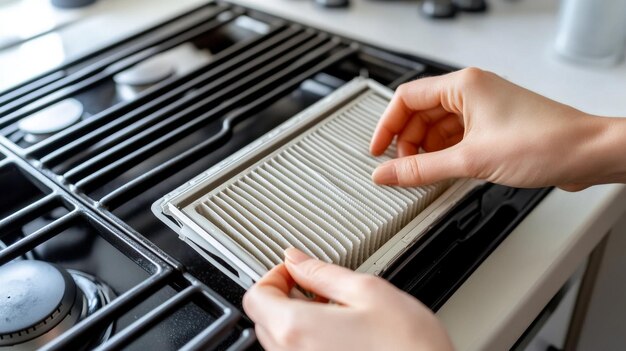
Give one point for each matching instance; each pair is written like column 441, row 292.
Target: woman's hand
column 475, row 124
column 368, row 314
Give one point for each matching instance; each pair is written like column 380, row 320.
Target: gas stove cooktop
column 86, row 148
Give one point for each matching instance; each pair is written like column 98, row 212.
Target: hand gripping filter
column 307, row 184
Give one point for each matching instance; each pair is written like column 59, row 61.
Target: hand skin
column 474, row 124
column 470, row 123
column 368, row 314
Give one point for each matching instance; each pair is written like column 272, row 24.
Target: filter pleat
column 324, row 208
column 274, row 225
column 355, row 210
column 325, row 232
column 363, row 170
column 226, row 223
column 315, row 193
column 362, row 186
column 379, row 211
column 252, row 225
column 301, row 233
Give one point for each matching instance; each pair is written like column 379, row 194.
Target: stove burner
column 50, row 120
column 148, row 72
column 95, row 295
column 173, row 62
column 39, row 301
column 37, row 298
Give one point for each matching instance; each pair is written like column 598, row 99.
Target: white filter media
column 315, row 193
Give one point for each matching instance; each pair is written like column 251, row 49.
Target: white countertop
column 504, row 295
column 496, row 304
column 514, row 39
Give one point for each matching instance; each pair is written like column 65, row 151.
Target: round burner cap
column 151, row 71
column 35, row 296
column 53, row 118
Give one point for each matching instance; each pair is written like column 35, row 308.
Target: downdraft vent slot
column 307, row 184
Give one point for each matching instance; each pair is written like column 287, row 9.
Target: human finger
column 420, row 169
column 266, row 339
column 411, row 137
column 431, row 96
column 440, row 133
column 392, row 123
column 330, row 281
column 265, row 300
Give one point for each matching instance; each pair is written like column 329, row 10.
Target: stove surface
column 145, row 114
column 44, row 229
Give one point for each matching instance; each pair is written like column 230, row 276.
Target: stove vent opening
column 307, row 184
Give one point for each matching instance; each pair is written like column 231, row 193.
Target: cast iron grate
column 125, row 154
column 95, row 155
column 41, row 221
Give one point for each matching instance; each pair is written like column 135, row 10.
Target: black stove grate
column 30, row 232
column 127, row 153
column 133, row 145
column 59, row 147
column 77, row 77
column 241, row 81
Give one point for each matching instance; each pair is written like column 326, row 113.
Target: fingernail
column 295, row 256
column 385, row 174
column 373, row 151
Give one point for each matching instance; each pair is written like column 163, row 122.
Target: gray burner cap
column 53, row 118
column 35, row 296
column 151, row 71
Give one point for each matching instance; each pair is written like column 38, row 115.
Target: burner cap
column 35, row 297
column 53, row 118
column 150, row 71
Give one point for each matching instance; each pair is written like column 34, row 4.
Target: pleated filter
column 307, row 185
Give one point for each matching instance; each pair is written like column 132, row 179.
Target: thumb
column 420, row 169
column 328, row 280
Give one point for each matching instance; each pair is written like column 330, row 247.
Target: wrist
column 600, row 156
column 613, row 143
